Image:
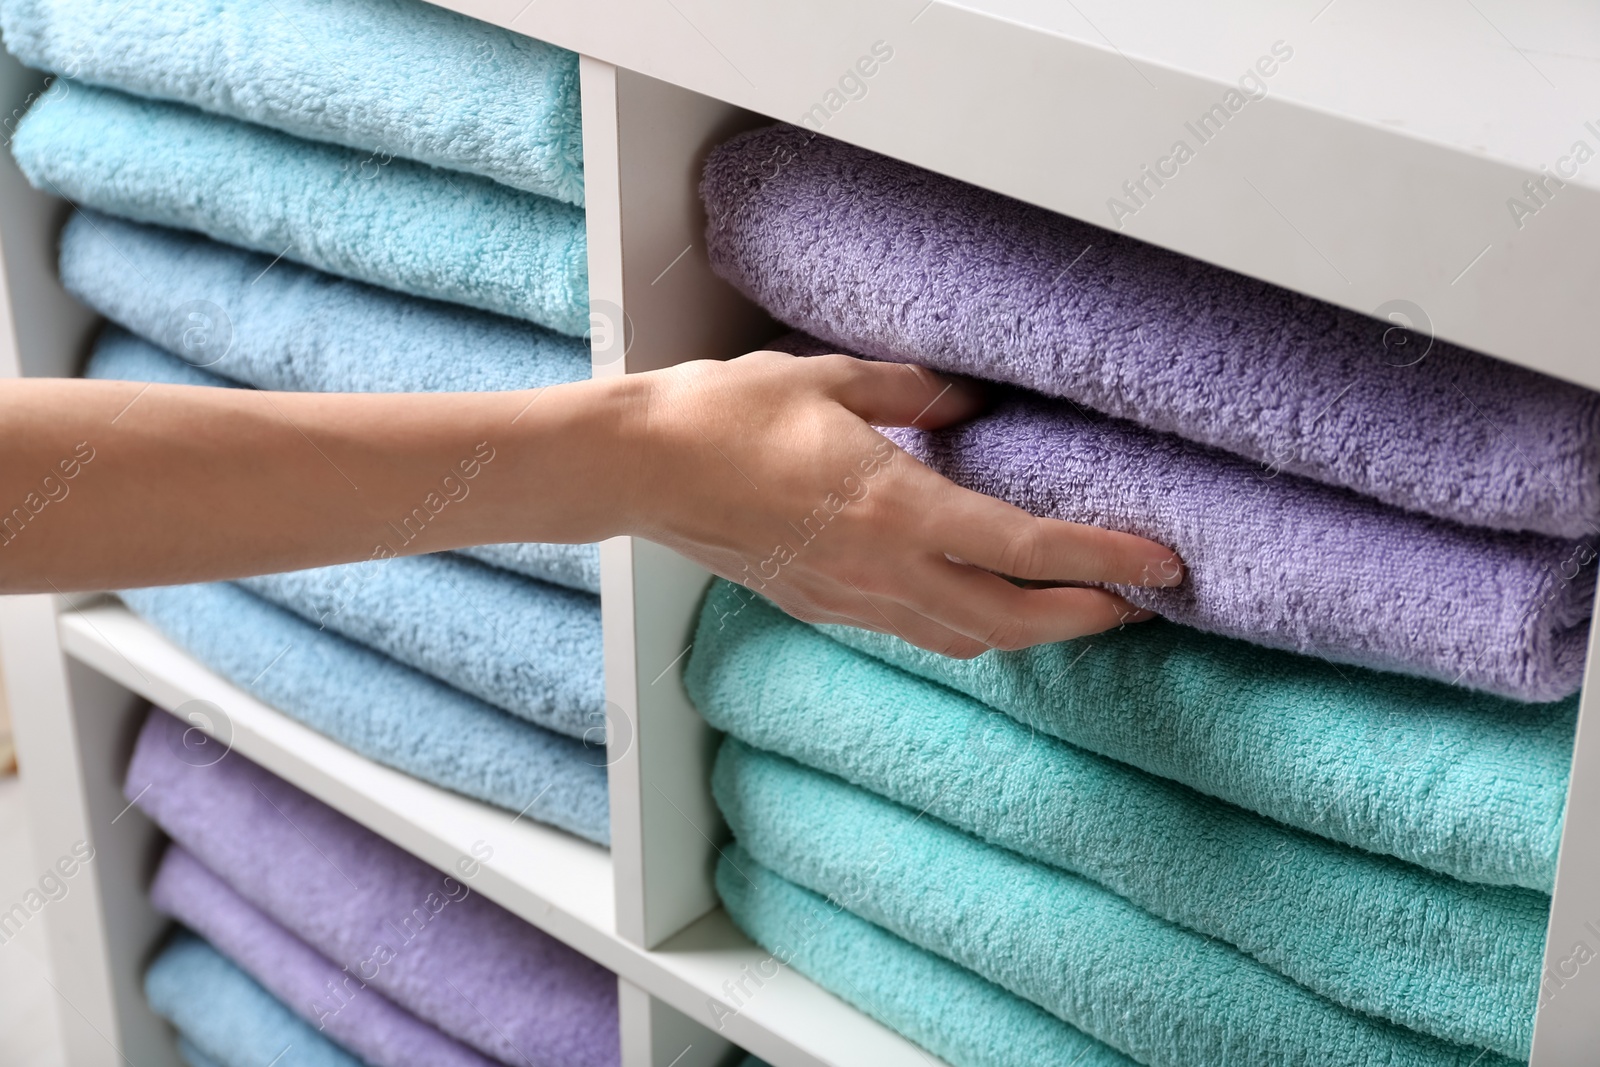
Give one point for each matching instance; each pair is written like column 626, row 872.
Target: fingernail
column 1163, row 571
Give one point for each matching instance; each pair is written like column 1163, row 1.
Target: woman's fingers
column 898, row 394
column 996, row 536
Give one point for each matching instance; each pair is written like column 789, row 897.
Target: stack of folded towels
column 309, row 941
column 347, row 196
column 1312, row 816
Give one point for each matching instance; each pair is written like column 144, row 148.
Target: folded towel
column 403, row 225
column 883, row 258
column 959, row 1017
column 470, row 968
column 383, row 709
column 1457, row 782
column 191, row 1055
column 529, row 648
column 227, row 1017
column 121, row 356
column 399, row 78
column 315, row 988
column 1162, row 994
column 1458, row 961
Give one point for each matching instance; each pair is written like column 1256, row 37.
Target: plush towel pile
column 119, row 355
column 1162, row 994
column 382, row 709
column 883, row 258
column 464, row 965
column 320, row 991
column 1283, row 561
column 1428, row 951
column 389, row 222
column 399, row 78
column 225, row 1018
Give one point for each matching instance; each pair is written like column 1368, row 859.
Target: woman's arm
column 765, row 469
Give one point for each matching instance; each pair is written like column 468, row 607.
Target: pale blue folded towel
column 1164, row 995
column 121, row 356
column 400, row 77
column 407, row 226
column 383, row 709
column 191, row 1055
column 226, row 1018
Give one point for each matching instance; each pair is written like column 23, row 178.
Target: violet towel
column 889, row 260
column 359, row 1019
column 472, row 969
column 1290, row 563
column 1282, row 561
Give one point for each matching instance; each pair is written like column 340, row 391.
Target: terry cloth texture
column 886, row 259
column 226, row 1017
column 1468, row 785
column 360, row 1020
column 1283, row 561
column 119, row 355
column 529, row 648
column 1162, row 994
column 382, row 709
column 948, row 1010
column 518, row 996
column 402, row 225
column 394, row 77
column 1387, row 938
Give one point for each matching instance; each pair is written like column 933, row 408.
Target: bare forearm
column 114, row 484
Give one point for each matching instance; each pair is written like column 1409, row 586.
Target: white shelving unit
column 1377, row 168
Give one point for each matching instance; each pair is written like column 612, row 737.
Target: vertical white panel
column 655, row 1034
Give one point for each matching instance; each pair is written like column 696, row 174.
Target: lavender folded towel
column 359, row 1019
column 885, row 259
column 472, row 969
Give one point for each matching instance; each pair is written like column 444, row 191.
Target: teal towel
column 1162, row 994
column 400, row 77
column 958, row 1016
column 382, row 709
column 1452, row 959
column 121, row 356
column 403, row 225
column 226, row 1017
column 1470, row 785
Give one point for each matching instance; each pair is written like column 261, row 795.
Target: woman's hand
column 767, row 470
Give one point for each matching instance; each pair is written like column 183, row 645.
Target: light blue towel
column 958, row 1016
column 1455, row 960
column 403, row 225
column 226, row 1017
column 399, row 77
column 1162, row 994
column 530, row 648
column 191, row 1055
column 383, row 709
column 121, row 356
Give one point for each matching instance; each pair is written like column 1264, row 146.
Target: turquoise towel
column 400, row 77
column 119, row 355
column 383, row 709
column 1162, row 994
column 1452, row 959
column 226, row 1017
column 403, row 225
column 956, row 1015
column 1463, row 783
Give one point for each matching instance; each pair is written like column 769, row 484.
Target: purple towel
column 347, row 1010
column 882, row 258
column 1282, row 561
column 471, row 969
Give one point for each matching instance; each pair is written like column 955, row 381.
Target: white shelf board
column 1377, row 167
column 551, row 879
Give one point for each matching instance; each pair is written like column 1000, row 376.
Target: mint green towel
column 948, row 1010
column 1470, row 785
column 224, row 1015
column 401, row 77
column 1158, row 992
column 1452, row 959
column 391, row 222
